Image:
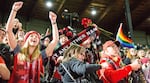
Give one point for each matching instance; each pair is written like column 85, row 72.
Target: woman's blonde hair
column 72, row 52
column 128, row 54
column 24, row 54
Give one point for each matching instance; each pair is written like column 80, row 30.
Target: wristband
column 54, row 23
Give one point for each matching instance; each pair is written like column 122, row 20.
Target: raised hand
column 17, row 6
column 50, row 48
column 10, row 23
column 52, row 17
column 135, row 65
column 59, row 59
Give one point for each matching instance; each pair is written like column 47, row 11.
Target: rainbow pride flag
column 123, row 39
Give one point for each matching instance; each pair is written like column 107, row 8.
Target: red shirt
column 111, row 74
column 1, row 60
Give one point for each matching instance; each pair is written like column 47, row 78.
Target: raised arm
column 50, row 48
column 9, row 26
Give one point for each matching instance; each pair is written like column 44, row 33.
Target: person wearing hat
column 28, row 59
column 113, row 72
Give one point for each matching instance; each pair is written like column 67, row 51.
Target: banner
column 78, row 39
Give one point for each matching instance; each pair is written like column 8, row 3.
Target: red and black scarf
column 78, row 39
column 26, row 72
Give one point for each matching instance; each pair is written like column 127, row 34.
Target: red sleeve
column 1, row 60
column 116, row 75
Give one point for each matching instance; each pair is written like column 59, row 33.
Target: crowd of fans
column 25, row 56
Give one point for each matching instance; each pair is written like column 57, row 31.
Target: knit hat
column 29, row 33
column 110, row 43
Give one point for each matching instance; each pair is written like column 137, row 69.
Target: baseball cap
column 110, row 43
